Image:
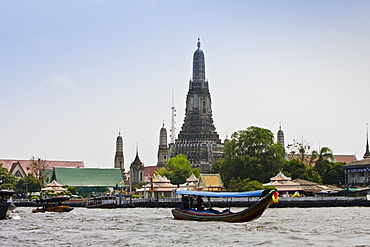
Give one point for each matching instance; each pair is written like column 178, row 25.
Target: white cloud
column 58, row 81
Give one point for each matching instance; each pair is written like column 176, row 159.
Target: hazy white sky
column 73, row 73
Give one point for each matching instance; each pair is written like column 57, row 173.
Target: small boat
column 52, row 209
column 186, row 212
column 6, row 203
column 53, row 204
column 102, row 202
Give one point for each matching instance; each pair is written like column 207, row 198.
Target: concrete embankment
column 304, row 202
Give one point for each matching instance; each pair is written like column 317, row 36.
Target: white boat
column 102, row 202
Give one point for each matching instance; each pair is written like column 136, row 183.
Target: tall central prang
column 198, row 138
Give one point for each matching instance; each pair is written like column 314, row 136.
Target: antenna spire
column 173, row 122
column 367, row 152
column 198, row 44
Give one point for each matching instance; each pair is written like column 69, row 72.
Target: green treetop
column 252, row 154
column 178, row 169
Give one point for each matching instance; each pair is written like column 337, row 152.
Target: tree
column 298, row 169
column 298, row 150
column 178, row 169
column 239, row 185
column 252, row 154
column 7, row 180
column 334, row 173
column 321, row 159
column 330, row 172
column 72, row 189
column 28, row 184
column 39, row 168
column 140, row 185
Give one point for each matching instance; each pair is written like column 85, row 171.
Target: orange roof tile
column 149, row 170
column 345, row 158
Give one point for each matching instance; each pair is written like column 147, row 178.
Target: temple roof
column 280, row 176
column 88, row 176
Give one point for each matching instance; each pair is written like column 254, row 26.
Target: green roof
column 88, row 176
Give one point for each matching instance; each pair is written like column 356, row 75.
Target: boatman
column 200, row 203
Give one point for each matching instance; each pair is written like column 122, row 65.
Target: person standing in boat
column 185, row 202
column 200, row 203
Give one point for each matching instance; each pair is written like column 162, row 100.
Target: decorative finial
column 119, row 132
column 163, row 124
column 198, row 43
column 279, row 126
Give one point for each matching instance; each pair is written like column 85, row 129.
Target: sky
column 75, row 73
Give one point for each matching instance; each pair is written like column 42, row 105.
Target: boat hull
column 249, row 214
column 6, row 203
column 107, row 205
column 5, row 210
column 53, row 209
column 102, row 202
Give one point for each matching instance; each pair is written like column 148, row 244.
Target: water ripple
column 156, row 227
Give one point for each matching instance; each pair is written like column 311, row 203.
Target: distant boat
column 53, row 204
column 102, row 202
column 186, row 212
column 6, row 203
column 52, row 209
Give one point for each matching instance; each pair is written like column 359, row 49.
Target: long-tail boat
column 6, row 203
column 53, row 204
column 186, row 212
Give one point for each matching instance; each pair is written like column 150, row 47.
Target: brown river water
column 337, row 226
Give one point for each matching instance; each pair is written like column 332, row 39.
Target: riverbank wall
column 284, row 202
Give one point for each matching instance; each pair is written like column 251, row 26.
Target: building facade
column 198, row 138
column 358, row 173
column 88, row 181
column 136, row 171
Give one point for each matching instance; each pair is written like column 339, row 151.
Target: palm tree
column 321, row 159
column 325, row 153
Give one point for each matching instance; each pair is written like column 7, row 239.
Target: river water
column 338, row 226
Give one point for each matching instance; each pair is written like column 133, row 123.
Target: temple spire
column 162, row 148
column 280, row 136
column 119, row 161
column 367, row 152
column 198, row 138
